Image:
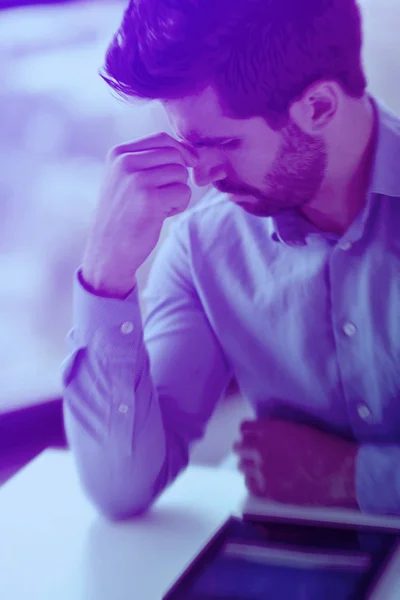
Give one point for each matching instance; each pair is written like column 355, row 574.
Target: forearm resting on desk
column 112, row 416
column 119, row 444
column 129, row 425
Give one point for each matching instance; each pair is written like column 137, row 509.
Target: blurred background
column 58, row 119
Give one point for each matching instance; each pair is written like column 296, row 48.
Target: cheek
column 251, row 168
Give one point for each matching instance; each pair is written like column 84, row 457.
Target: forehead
column 201, row 115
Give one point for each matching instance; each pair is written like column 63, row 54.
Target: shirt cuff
column 111, row 325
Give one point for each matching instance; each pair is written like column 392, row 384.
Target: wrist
column 100, row 287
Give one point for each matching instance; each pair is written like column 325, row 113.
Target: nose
column 208, row 171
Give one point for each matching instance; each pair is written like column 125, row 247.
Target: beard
column 293, row 180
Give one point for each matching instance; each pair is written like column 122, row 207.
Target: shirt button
column 345, row 246
column 123, row 409
column 363, row 411
column 127, row 327
column 350, row 329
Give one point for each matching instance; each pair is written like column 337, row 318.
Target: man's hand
column 297, row 464
column 145, row 182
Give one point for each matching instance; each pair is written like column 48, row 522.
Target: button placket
column 364, row 411
column 349, row 329
column 345, row 246
column 127, row 327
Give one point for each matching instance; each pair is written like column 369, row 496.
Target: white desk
column 54, row 546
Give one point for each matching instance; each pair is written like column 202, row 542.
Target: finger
column 163, row 175
column 247, row 443
column 254, row 427
column 253, row 439
column 246, row 466
column 254, row 434
column 174, row 198
column 256, row 485
column 249, row 454
column 158, row 140
column 147, row 159
column 244, row 450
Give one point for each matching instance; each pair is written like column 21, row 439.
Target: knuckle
column 164, row 135
column 120, row 160
column 114, row 153
column 159, row 138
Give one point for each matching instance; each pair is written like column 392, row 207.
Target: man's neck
column 342, row 199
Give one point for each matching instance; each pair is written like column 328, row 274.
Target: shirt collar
column 291, row 228
column 385, row 174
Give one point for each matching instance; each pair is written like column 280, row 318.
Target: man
column 286, row 277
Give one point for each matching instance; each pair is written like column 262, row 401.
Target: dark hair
column 259, row 54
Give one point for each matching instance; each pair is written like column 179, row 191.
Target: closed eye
column 225, row 145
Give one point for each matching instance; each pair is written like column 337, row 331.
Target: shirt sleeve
column 136, row 396
column 378, row 478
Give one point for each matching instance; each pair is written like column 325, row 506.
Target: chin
column 258, row 206
column 257, row 209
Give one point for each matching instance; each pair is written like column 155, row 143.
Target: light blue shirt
column 308, row 323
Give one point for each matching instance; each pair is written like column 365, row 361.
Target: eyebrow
column 194, row 139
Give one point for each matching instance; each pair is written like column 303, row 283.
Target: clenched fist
column 297, row 464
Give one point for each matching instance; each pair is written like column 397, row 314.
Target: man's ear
column 317, row 106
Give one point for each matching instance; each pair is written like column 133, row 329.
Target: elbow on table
column 116, row 502
column 117, row 508
column 116, row 514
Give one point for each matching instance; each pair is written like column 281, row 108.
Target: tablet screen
column 251, row 560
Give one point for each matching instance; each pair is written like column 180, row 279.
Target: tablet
column 253, row 559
